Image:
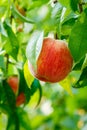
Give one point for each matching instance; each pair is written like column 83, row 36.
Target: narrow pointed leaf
column 34, row 87
column 27, row 74
column 82, row 81
column 13, row 122
column 2, row 63
column 13, row 44
column 23, row 119
column 66, row 85
column 34, row 47
column 23, row 87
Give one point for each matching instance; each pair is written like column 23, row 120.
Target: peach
column 20, row 99
column 13, row 82
column 54, row 61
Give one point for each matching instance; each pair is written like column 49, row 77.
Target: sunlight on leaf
column 66, row 85
column 28, row 76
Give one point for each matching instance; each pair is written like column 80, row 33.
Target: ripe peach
column 54, row 62
column 13, row 82
column 20, row 99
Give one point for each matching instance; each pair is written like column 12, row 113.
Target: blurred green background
column 62, row 107
column 56, row 111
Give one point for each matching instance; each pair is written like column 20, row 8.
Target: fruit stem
column 56, row 36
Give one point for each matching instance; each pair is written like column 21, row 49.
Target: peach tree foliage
column 24, row 24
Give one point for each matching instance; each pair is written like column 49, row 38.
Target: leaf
column 68, row 20
column 67, row 27
column 34, row 87
column 13, row 122
column 57, row 16
column 40, row 94
column 34, row 47
column 27, row 74
column 82, row 81
column 2, row 63
column 65, row 3
column 5, row 109
column 20, row 16
column 78, row 65
column 2, row 30
column 84, row 63
column 66, row 85
column 74, row 4
column 78, row 36
column 56, row 12
column 9, row 94
column 68, row 15
column 39, row 44
column 13, row 44
column 23, row 87
column 23, row 119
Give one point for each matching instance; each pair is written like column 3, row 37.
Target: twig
column 80, row 7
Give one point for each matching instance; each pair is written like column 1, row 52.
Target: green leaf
column 13, row 44
column 2, row 30
column 83, row 74
column 27, row 74
column 13, row 122
column 78, row 65
column 84, row 63
column 40, row 94
column 23, row 119
column 74, row 4
column 34, row 87
column 56, row 16
column 66, row 85
column 65, row 3
column 20, row 16
column 68, row 15
column 56, row 12
column 82, row 81
column 2, row 63
column 34, row 47
column 39, row 44
column 67, row 27
column 68, row 20
column 5, row 109
column 9, row 94
column 23, row 87
column 78, row 36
